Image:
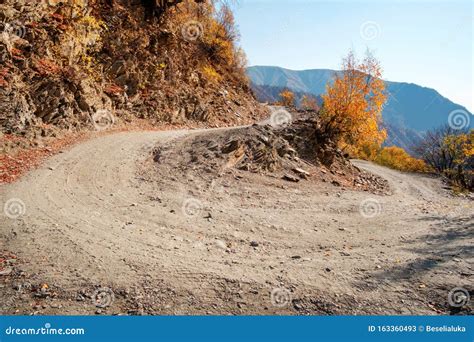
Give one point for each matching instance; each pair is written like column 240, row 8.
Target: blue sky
column 429, row 43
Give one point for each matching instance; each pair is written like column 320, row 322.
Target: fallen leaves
column 16, row 163
column 47, row 67
column 3, row 75
column 6, row 261
column 113, row 89
column 13, row 165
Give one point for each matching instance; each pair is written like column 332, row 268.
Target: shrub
column 397, row 158
column 287, row 98
column 451, row 153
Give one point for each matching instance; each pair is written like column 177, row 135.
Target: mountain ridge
column 331, row 71
column 410, row 110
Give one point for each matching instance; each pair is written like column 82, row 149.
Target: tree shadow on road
column 450, row 241
column 442, row 260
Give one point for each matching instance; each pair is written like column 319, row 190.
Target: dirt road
column 100, row 216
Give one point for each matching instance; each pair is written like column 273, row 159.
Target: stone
column 290, row 178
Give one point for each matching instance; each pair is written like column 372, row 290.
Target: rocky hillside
column 73, row 65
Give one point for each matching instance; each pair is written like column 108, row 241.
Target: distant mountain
column 271, row 94
column 410, row 110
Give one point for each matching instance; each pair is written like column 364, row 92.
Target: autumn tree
column 434, row 150
column 353, row 104
column 450, row 152
column 210, row 32
column 309, row 102
column 287, row 98
column 461, row 147
column 226, row 18
column 219, row 37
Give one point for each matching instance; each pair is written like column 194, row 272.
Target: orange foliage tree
column 287, row 98
column 353, row 104
column 219, row 36
column 211, row 32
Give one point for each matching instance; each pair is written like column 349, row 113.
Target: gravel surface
column 107, row 230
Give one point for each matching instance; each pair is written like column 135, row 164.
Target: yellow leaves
column 211, row 74
column 221, row 48
column 89, row 30
column 92, row 23
column 468, row 146
column 460, row 146
column 368, row 151
column 353, row 103
column 392, row 157
column 397, row 158
column 213, row 36
column 287, row 98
